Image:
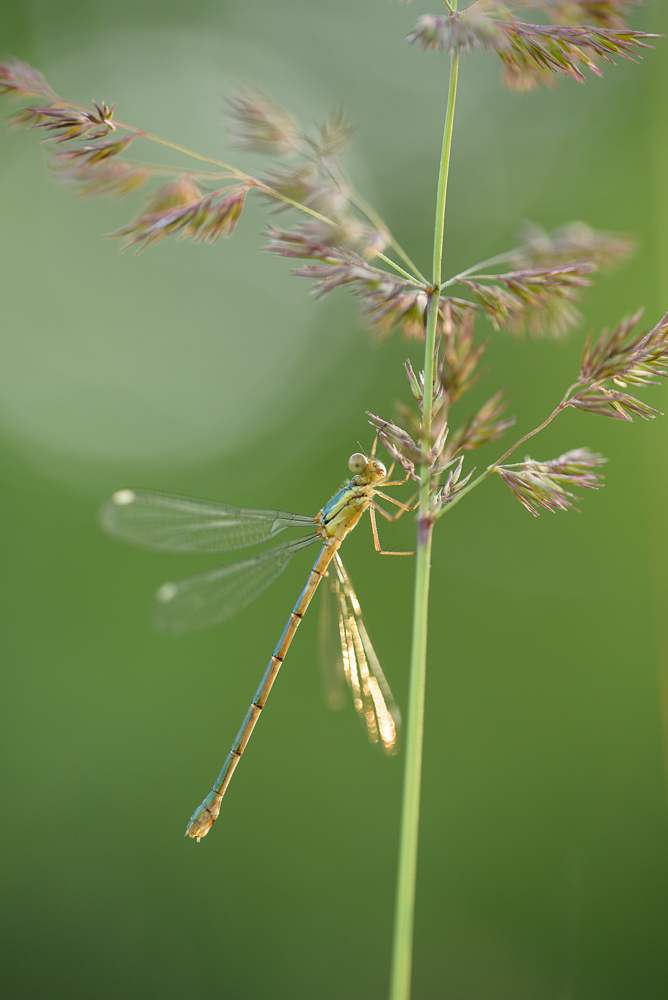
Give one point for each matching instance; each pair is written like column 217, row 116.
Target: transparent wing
column 372, row 698
column 183, row 524
column 212, row 597
column 329, row 643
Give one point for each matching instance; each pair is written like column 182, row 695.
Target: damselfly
column 182, row 524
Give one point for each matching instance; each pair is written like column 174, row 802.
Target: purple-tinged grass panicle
column 334, row 135
column 311, row 242
column 405, row 449
column 538, row 53
column 316, row 183
column 409, row 443
column 182, row 208
column 437, row 404
column 96, row 152
column 406, row 441
column 389, row 305
column 148, row 230
column 453, row 485
column 220, row 217
column 389, row 301
column 398, row 443
column 573, row 243
column 417, row 385
column 626, row 359
column 431, row 32
column 307, row 185
column 69, row 123
column 22, row 80
column 415, row 382
column 485, row 425
column 501, row 307
column 336, row 243
column 608, row 403
column 454, row 315
column 540, row 484
column 309, row 173
column 302, row 183
column 622, row 359
column 258, row 124
column 113, row 178
column 539, row 299
column 178, row 193
column 461, row 31
column 611, row 14
column 458, row 371
column 533, row 53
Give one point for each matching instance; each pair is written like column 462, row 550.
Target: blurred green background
column 208, row 371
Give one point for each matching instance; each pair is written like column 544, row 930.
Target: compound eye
column 357, row 463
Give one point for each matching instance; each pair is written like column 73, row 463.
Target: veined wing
column 212, row 597
column 174, row 523
column 372, row 698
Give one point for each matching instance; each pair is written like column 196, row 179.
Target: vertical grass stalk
column 400, row 981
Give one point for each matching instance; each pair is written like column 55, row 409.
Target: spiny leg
column 395, row 482
column 403, row 507
column 376, row 541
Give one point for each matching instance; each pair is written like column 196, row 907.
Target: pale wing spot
column 124, row 497
column 166, row 593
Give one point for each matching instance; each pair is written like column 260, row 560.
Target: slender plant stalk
column 400, row 981
column 399, row 270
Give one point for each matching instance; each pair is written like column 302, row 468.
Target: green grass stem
column 402, row 954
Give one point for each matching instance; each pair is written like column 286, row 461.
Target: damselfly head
column 369, row 469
